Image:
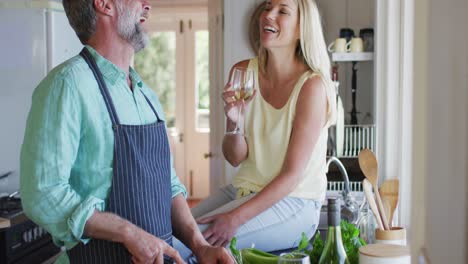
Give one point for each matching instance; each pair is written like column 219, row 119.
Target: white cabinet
column 353, row 14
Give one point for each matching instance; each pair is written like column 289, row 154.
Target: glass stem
column 237, row 129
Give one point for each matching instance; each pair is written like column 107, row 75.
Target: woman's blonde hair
column 311, row 50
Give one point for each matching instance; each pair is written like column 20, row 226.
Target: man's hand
column 146, row 248
column 212, row 255
column 221, row 230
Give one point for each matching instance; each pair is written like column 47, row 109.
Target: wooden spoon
column 368, row 164
column 390, row 190
column 366, row 185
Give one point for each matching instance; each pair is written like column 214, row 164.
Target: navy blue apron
column 141, row 182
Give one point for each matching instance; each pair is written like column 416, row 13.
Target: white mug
column 339, row 45
column 356, row 45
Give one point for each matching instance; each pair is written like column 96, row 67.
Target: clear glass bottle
column 334, row 252
column 366, row 224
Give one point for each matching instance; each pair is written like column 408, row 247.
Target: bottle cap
column 333, row 204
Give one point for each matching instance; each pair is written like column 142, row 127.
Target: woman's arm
column 310, row 119
column 235, row 147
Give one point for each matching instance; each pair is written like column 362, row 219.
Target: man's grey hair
column 82, row 17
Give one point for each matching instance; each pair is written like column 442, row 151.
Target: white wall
column 236, row 40
column 37, row 40
column 441, row 146
column 22, row 67
column 236, row 44
column 447, row 131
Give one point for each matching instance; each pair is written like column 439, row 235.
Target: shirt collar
column 110, row 71
column 136, row 78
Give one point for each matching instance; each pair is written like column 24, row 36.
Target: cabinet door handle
column 208, row 155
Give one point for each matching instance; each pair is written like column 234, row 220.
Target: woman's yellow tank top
column 268, row 131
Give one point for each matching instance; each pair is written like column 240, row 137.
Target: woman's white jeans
column 277, row 228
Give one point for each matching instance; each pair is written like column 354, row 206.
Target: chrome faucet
column 344, row 174
column 350, row 210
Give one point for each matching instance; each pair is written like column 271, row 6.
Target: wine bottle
column 334, row 252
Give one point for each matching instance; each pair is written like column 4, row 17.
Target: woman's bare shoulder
column 313, row 90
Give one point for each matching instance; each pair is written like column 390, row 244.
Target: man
column 96, row 170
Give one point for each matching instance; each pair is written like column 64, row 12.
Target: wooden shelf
column 353, row 56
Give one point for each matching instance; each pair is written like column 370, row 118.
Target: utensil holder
column 396, row 236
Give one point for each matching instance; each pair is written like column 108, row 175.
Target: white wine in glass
column 243, row 94
column 243, row 84
column 294, row 258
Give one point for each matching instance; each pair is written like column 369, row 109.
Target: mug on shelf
column 339, row 45
column 396, row 236
column 347, row 33
column 356, row 45
column 367, row 35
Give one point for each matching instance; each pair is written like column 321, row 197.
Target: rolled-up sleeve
column 176, row 186
column 49, row 149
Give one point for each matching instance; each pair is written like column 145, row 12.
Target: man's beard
column 131, row 32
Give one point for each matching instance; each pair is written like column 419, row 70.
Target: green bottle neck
column 334, row 235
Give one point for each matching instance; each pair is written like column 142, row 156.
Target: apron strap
column 105, row 92
column 151, row 105
column 102, row 86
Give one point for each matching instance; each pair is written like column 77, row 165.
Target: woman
column 277, row 192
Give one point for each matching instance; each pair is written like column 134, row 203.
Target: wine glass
column 294, row 258
column 243, row 83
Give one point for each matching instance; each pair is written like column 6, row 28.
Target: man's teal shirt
column 68, row 148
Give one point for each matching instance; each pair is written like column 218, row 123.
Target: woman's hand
column 233, row 106
column 210, row 254
column 222, row 228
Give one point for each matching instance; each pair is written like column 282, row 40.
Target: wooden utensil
column 386, row 206
column 369, row 167
column 366, row 185
column 390, row 191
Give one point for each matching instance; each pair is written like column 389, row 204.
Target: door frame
column 174, row 18
column 216, row 31
column 197, row 143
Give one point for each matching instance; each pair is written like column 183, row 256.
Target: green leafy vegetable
column 256, row 256
column 235, row 253
column 349, row 233
column 304, row 242
column 351, row 242
column 251, row 255
column 317, row 248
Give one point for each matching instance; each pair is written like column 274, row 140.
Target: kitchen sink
column 356, row 196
